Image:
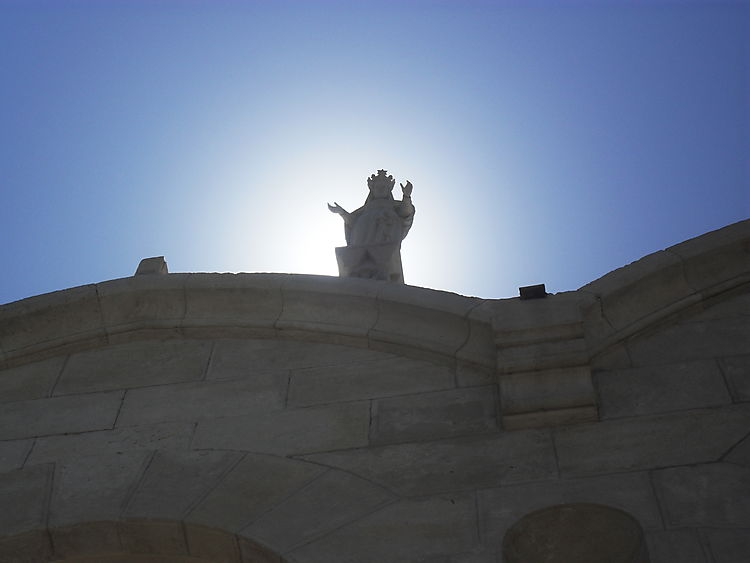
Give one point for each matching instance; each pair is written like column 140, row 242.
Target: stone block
column 166, row 436
column 241, row 358
column 327, row 304
column 690, row 341
column 416, row 529
column 93, row 488
column 251, row 488
column 154, row 265
column 28, row 547
column 474, row 375
column 175, row 481
column 670, row 546
column 90, row 538
column 211, row 544
column 153, row 536
column 728, row 546
column 51, row 320
column 24, row 495
column 142, row 302
column 198, row 401
column 731, row 303
column 13, row 453
column 59, row 415
column 650, row 390
column 236, row 300
column 327, row 503
column 517, row 321
column 546, row 390
column 30, row 381
column 641, row 288
column 479, row 347
column 646, row 442
column 737, row 371
column 713, row 495
column 502, row 507
column 716, row 256
column 288, row 432
column 253, row 552
column 740, row 453
column 542, row 356
column 365, row 380
column 422, row 318
column 440, row 414
column 451, row 465
column 134, row 364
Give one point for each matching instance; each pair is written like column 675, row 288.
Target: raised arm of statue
column 338, row 210
column 406, row 208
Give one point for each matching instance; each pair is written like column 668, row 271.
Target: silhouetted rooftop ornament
column 374, row 232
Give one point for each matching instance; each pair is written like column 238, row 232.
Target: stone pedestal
column 376, row 261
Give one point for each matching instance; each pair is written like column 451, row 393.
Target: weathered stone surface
column 23, row 494
column 479, row 347
column 197, row 401
column 691, row 341
column 324, row 304
column 415, row 529
column 728, row 546
column 134, row 364
column 253, row 552
column 549, row 418
column 242, row 358
column 30, row 381
column 440, row 414
column 651, row 441
column 175, row 481
column 59, row 415
column 575, row 533
column 476, row 556
column 474, row 375
column 546, row 390
column 91, row 488
column 737, row 371
column 711, row 495
column 740, row 453
column 251, row 488
column 13, row 453
column 288, row 432
column 671, row 546
column 731, row 303
column 649, row 390
column 153, row 536
column 500, row 508
column 449, row 465
column 142, row 302
column 233, row 300
column 51, row 320
column 211, row 544
column 166, row 436
column 328, row 502
column 365, row 380
column 27, row 547
column 86, row 539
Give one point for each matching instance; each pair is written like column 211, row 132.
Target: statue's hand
column 336, row 208
column 407, row 188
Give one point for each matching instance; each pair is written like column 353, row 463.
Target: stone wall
column 269, row 417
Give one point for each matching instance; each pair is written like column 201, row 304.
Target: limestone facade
column 270, row 417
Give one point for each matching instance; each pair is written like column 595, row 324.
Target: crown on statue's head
column 382, row 179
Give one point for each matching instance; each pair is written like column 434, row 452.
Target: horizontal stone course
column 59, row 415
column 631, row 444
column 196, row 401
column 365, row 380
column 450, row 465
column 711, row 495
column 30, row 381
column 650, row 390
column 134, row 364
column 288, row 432
column 440, row 414
column 408, row 530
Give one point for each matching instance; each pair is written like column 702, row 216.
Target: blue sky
column 548, row 142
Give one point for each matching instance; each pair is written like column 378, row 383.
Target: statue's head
column 380, row 185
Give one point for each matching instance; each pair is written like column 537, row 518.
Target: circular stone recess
column 575, row 533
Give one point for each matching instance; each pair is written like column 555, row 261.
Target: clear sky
column 548, row 142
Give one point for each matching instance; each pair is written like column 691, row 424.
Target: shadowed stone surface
column 31, row 381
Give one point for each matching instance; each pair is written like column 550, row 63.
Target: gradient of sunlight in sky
column 548, row 142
